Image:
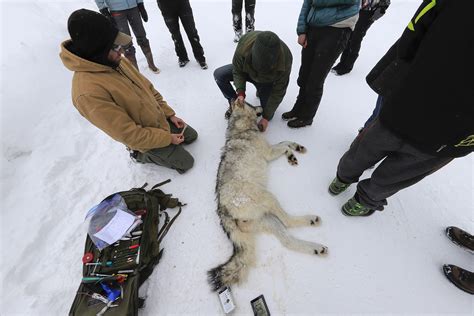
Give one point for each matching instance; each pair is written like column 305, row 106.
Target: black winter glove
column 143, row 13
column 105, row 12
column 377, row 14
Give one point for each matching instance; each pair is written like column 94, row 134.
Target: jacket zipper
column 120, row 71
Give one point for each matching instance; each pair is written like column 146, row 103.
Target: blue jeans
column 223, row 77
column 376, row 111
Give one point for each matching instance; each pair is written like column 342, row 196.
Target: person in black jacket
column 371, row 11
column 427, row 115
column 173, row 11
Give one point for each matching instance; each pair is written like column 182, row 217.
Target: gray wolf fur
column 245, row 206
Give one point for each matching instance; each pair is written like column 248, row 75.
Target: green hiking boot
column 336, row 187
column 354, row 208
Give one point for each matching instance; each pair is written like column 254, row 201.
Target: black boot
column 149, row 58
column 461, row 278
column 293, row 114
column 341, row 69
column 290, row 115
column 460, row 237
column 182, row 62
column 298, row 122
column 228, row 113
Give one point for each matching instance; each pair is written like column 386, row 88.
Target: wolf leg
column 294, row 221
column 272, row 206
column 286, row 148
column 272, row 224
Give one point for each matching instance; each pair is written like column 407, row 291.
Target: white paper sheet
column 116, row 227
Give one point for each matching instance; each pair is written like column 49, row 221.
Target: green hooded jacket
column 280, row 76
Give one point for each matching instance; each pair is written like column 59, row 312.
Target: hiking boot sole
column 334, row 193
column 182, row 64
column 339, row 72
column 301, row 126
column 449, row 275
column 456, row 242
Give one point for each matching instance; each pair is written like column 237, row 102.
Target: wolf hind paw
column 321, row 251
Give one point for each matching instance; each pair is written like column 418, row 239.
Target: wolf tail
column 235, row 269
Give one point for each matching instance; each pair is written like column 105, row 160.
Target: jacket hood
column 75, row 63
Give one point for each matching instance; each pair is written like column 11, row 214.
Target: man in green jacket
column 264, row 60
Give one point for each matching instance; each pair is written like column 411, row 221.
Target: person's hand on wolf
column 240, row 99
column 263, row 124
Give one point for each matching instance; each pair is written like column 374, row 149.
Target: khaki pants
column 172, row 156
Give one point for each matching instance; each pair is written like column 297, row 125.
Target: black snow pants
column 249, row 15
column 351, row 53
column 325, row 44
column 402, row 165
column 173, row 11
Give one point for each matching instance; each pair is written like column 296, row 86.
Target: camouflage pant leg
column 172, row 156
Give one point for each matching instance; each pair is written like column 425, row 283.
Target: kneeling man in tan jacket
column 109, row 92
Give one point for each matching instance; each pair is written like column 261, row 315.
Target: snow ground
column 55, row 166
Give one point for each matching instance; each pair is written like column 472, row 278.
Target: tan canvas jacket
column 121, row 102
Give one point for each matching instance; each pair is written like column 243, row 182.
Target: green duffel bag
column 113, row 276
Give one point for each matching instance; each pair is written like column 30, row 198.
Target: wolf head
column 244, row 116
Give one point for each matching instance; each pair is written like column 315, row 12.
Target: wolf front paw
column 300, row 148
column 292, row 160
column 321, row 251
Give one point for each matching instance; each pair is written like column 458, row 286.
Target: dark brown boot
column 460, row 238
column 149, row 58
column 461, row 278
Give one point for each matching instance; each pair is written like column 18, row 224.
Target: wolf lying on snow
column 245, row 206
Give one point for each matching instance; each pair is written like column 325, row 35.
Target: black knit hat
column 93, row 34
column 265, row 51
